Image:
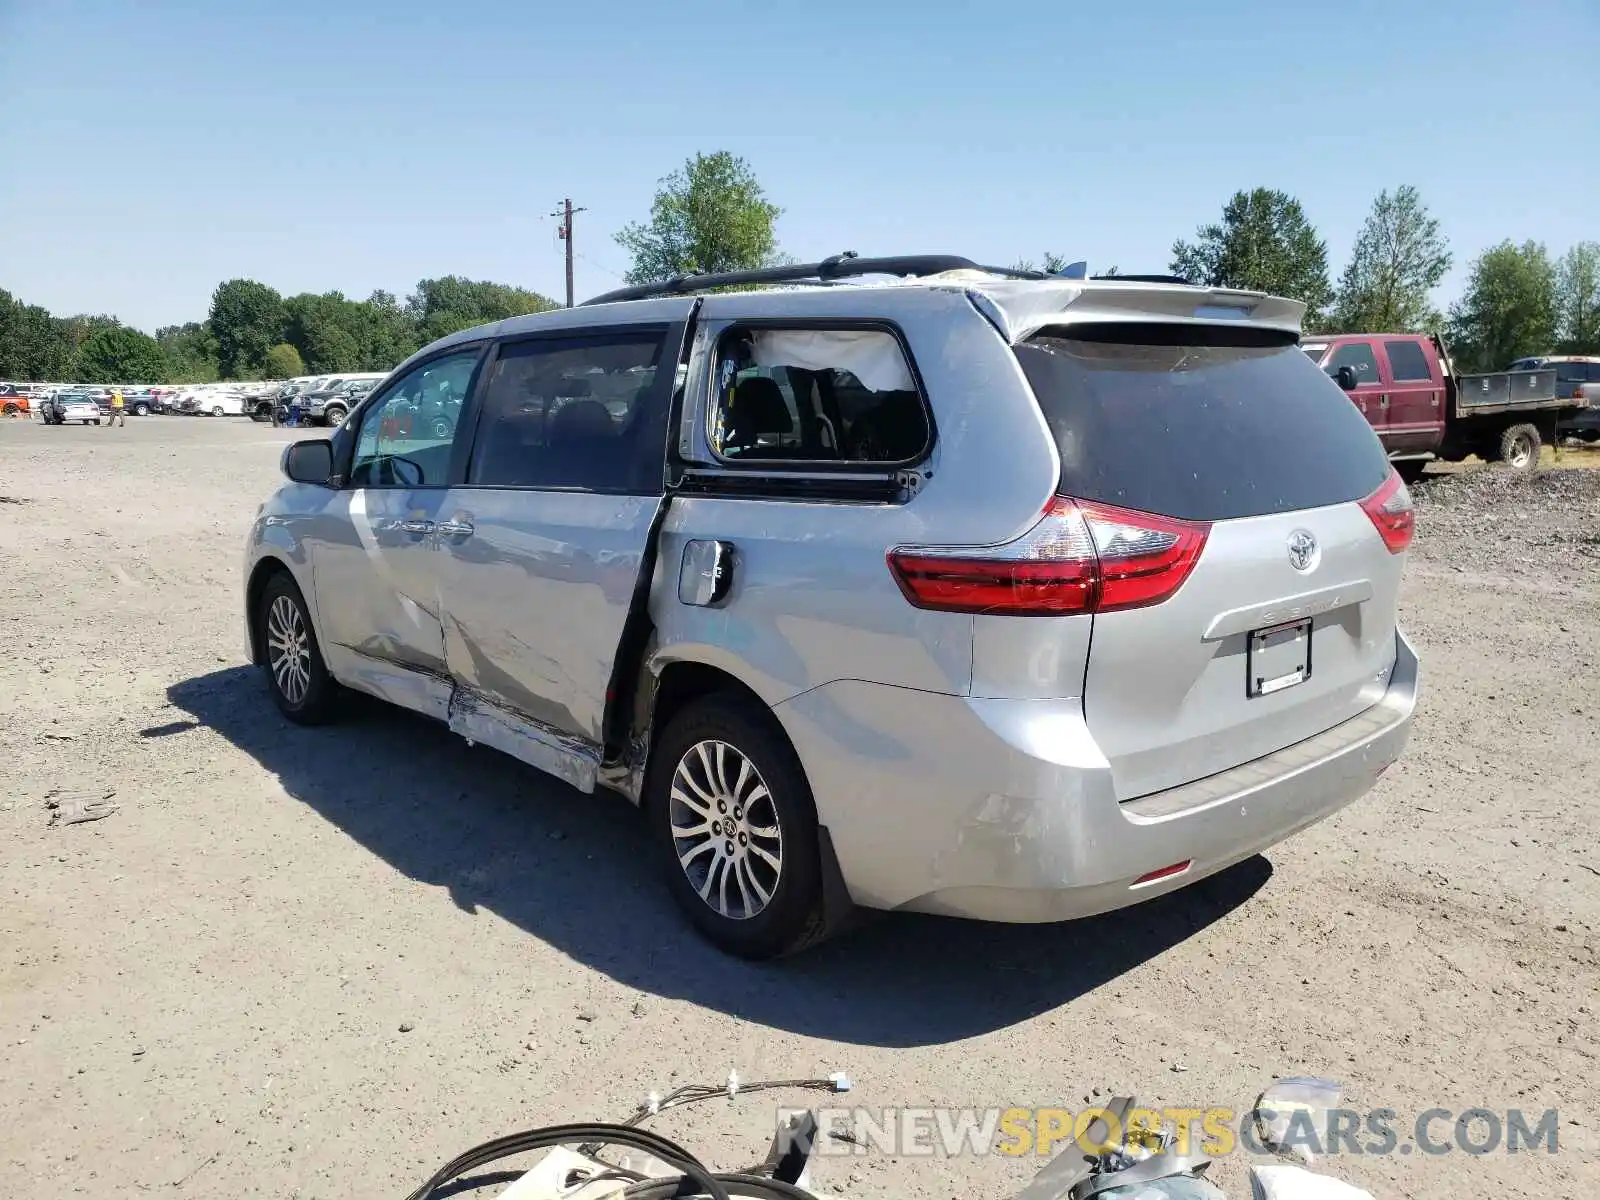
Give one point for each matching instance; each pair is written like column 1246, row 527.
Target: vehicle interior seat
column 756, row 409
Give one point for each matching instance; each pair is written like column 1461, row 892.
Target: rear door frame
column 1416, row 406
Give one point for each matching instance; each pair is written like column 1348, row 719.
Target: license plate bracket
column 1277, row 657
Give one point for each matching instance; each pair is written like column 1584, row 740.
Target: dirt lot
column 318, row 963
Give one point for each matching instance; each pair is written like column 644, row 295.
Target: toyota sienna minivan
column 910, row 584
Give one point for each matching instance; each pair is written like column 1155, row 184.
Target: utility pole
column 565, row 234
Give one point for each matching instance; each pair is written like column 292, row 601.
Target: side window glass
column 573, row 412
column 406, row 436
column 816, row 395
column 1407, row 362
column 1358, row 356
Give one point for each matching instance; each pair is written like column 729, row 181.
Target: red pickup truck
column 1423, row 410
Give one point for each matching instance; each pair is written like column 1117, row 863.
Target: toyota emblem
column 1303, row 552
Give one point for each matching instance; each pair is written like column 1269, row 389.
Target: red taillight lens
column 1081, row 557
column 1390, row 510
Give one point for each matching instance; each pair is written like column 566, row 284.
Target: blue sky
column 154, row 149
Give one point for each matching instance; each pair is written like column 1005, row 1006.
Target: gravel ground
column 318, row 963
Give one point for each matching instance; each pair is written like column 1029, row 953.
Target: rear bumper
column 1004, row 810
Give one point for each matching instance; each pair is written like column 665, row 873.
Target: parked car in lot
column 1577, row 378
column 1012, row 598
column 331, row 403
column 1423, row 409
column 16, row 400
column 64, row 408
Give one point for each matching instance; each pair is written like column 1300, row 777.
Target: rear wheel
column 141, row 410
column 10, row 409
column 733, row 818
column 1519, row 448
column 296, row 675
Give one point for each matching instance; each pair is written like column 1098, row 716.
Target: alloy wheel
column 288, row 649
column 725, row 829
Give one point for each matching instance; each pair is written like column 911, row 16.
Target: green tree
column 443, row 306
column 247, row 320
column 1398, row 259
column 1508, row 310
column 282, row 362
column 392, row 336
column 324, row 329
column 34, row 346
column 1263, row 243
column 121, row 355
column 1578, row 300
column 191, row 353
column 710, row 215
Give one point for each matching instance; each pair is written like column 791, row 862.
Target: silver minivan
column 1016, row 598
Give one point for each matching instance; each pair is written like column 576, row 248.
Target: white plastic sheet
column 1273, row 1182
column 872, row 357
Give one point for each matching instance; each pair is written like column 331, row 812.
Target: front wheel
column 333, row 416
column 1519, row 448
column 733, row 818
column 216, row 412
column 296, row 675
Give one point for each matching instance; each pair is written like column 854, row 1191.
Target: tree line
column 252, row 332
column 712, row 215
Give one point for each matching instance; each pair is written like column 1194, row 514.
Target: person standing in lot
column 117, row 415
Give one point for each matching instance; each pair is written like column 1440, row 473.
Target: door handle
column 417, row 527
column 456, row 529
column 1383, row 402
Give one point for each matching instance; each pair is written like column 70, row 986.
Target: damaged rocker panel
column 478, row 719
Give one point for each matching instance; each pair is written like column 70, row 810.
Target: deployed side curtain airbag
column 872, row 357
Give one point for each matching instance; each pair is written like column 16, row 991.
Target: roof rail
column 841, row 266
column 1146, row 279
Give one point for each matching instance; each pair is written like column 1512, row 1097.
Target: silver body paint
column 1020, row 769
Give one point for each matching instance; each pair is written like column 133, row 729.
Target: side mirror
column 309, row 461
column 1345, row 377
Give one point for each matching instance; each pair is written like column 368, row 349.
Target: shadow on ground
column 576, row 872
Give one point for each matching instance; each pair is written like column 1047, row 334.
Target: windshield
column 1152, row 418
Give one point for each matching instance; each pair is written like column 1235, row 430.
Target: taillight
column 1081, row 557
column 1391, row 512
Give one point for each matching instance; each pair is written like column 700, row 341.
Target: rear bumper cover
column 1004, row 810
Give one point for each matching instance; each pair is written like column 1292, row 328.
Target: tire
column 216, row 412
column 1410, row 469
column 141, row 410
column 305, row 695
column 11, row 410
column 1519, row 448
column 721, row 728
column 333, row 416
column 96, row 421
column 442, row 428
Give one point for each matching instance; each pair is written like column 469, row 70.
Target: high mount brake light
column 1081, row 557
column 1391, row 513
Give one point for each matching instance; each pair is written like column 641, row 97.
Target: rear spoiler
column 1019, row 311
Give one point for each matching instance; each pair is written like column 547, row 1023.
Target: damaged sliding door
column 544, row 544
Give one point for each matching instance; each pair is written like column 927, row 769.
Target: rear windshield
column 1148, row 418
